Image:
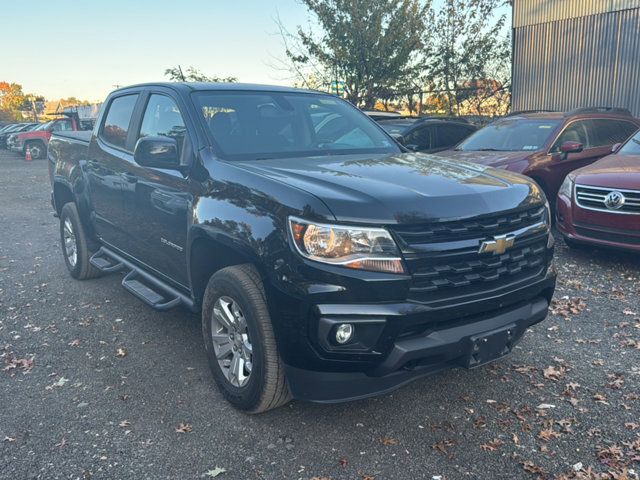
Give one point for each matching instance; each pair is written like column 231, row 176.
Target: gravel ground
column 93, row 384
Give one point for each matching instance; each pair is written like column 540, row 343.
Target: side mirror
column 157, row 152
column 616, row 147
column 570, row 147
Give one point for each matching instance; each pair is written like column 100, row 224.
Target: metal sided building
column 576, row 53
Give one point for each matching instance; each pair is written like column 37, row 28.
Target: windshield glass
column 511, row 135
column 42, row 126
column 261, row 125
column 632, row 147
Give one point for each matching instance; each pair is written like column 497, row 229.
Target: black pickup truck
column 328, row 263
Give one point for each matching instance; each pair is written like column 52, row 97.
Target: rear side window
column 116, row 124
column 608, row 132
column 450, row 135
column 421, row 138
column 162, row 118
column 62, row 126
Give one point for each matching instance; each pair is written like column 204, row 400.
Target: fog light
column 344, row 332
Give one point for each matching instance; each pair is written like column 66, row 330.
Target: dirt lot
column 93, row 384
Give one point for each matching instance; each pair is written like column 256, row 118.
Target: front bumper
column 416, row 357
column 598, row 228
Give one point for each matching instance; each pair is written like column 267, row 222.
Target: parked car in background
column 328, row 263
column 428, row 134
column 19, row 127
column 12, row 136
column 37, row 140
column 546, row 146
column 600, row 204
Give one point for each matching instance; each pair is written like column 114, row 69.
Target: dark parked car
column 600, row 204
column 546, row 146
column 327, row 264
column 428, row 134
column 17, row 128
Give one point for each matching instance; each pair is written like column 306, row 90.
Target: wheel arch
column 210, row 252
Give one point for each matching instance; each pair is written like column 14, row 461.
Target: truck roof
column 201, row 86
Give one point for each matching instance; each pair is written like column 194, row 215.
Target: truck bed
column 82, row 136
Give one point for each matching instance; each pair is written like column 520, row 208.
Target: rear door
column 420, row 139
column 110, row 151
column 158, row 202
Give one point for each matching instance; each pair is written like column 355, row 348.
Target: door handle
column 130, row 177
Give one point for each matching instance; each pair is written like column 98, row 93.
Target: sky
column 84, row 48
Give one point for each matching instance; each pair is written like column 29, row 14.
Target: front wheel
column 239, row 340
column 38, row 150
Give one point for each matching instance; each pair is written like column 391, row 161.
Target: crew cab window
column 576, row 132
column 116, row 124
column 256, row 125
column 608, row 132
column 162, row 118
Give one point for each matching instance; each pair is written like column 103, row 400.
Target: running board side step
column 151, row 290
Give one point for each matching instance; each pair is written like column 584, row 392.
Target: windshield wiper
column 489, row 150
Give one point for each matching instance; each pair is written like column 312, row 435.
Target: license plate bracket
column 490, row 346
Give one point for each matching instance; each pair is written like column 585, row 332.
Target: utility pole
column 181, row 74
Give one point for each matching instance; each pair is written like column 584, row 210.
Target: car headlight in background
column 566, row 189
column 353, row 247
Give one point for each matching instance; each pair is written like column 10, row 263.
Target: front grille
column 593, row 198
column 448, row 267
column 470, row 228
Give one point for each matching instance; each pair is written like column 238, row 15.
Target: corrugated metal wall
column 577, row 62
column 532, row 12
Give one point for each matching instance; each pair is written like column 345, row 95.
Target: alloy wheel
column 70, row 243
column 231, row 343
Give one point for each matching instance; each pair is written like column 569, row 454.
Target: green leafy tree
column 12, row 98
column 373, row 46
column 467, row 46
column 192, row 74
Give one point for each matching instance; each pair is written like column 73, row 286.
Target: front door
column 158, row 202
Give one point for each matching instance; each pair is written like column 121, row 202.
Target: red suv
column 546, row 146
column 600, row 204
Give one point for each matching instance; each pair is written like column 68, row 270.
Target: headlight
column 566, row 189
column 352, row 247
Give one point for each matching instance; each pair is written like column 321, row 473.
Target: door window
column 575, row 132
column 450, row 135
column 606, row 132
column 61, row 126
column 116, row 124
column 162, row 118
column 421, row 137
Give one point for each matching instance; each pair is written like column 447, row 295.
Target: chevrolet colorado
column 328, row 262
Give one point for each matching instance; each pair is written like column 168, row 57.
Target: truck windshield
column 511, row 135
column 632, row 147
column 262, row 125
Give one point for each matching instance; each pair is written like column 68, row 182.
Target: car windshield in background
column 42, row 126
column 632, row 147
column 511, row 135
column 261, row 125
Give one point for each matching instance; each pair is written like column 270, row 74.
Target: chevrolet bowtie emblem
column 498, row 245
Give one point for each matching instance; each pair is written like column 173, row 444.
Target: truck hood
column 613, row 171
column 401, row 188
column 28, row 135
column 493, row 159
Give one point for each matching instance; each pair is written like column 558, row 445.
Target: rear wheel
column 75, row 244
column 240, row 343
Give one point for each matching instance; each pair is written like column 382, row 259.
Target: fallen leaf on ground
column 214, row 472
column 184, row 428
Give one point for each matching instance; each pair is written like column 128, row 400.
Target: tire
column 73, row 238
column 262, row 387
column 38, row 150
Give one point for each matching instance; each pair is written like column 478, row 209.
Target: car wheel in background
column 239, row 341
column 38, row 150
